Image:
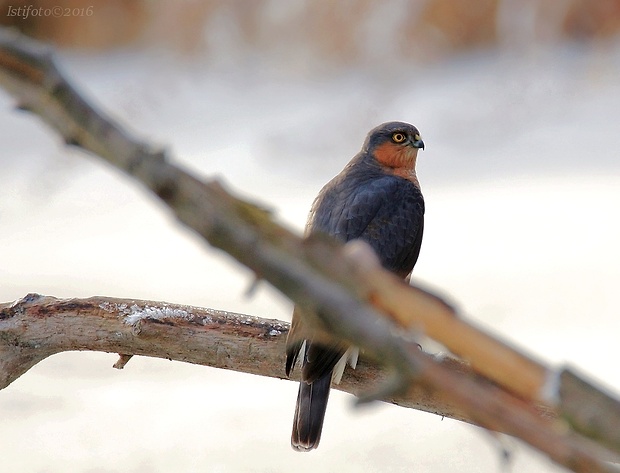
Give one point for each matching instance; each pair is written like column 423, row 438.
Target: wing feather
column 388, row 213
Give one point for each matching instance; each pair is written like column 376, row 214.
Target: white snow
column 158, row 313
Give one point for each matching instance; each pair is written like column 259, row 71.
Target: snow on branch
column 37, row 326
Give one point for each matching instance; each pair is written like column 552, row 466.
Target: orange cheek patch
column 396, row 156
column 399, row 160
column 388, row 154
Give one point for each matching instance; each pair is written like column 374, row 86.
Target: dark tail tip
column 310, row 413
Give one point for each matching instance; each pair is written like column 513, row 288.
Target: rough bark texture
column 37, row 326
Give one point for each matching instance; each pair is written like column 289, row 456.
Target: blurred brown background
column 422, row 29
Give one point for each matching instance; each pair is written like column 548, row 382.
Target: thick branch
column 36, row 327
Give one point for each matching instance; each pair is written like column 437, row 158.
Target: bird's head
column 394, row 144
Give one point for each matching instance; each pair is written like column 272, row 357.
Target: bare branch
column 36, row 327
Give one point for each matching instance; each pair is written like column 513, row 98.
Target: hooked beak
column 418, row 143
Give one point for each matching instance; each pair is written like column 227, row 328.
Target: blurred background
column 518, row 103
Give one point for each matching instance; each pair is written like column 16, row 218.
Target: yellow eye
column 398, row 137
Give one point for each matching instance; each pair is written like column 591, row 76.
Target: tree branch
column 35, row 327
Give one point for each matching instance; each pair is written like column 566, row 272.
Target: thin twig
column 122, row 361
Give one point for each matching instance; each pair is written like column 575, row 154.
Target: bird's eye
column 398, row 137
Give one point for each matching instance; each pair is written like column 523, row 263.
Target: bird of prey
column 375, row 198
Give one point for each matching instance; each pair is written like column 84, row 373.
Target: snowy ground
column 521, row 177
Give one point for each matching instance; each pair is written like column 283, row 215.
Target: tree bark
column 37, row 326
